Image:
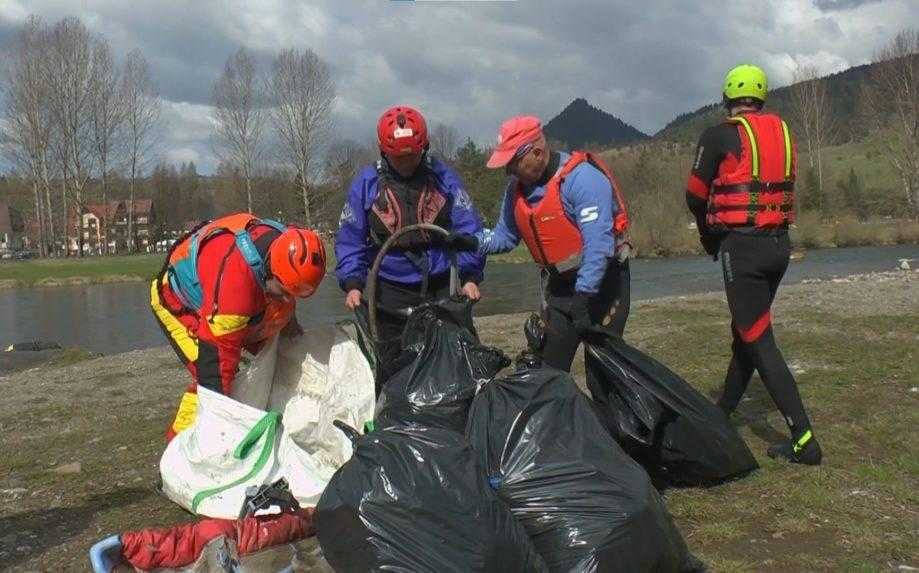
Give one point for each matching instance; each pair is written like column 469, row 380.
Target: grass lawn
column 51, row 272
column 858, row 377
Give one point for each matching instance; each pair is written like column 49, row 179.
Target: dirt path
column 81, row 443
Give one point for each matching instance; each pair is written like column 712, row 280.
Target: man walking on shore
column 741, row 191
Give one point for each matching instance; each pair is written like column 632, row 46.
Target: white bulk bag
column 314, row 379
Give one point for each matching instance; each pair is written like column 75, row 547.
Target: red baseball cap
column 514, row 132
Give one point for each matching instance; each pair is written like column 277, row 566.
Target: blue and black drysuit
column 588, row 200
column 417, row 270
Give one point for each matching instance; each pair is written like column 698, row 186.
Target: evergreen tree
column 811, row 194
column 852, row 192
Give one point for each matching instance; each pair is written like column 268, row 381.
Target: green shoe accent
column 802, row 441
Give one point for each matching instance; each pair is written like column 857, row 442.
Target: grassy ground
column 852, row 345
column 858, row 376
column 54, row 272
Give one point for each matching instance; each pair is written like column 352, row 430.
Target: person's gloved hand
column 580, row 313
column 711, row 243
column 461, row 242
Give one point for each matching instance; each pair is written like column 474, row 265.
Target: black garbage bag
column 441, row 366
column 586, row 505
column 416, row 499
column 678, row 435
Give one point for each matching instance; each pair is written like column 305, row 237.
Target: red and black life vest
column 553, row 239
column 403, row 202
column 760, row 191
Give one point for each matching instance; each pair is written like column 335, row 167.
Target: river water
column 113, row 318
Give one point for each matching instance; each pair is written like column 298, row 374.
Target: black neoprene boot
column 803, row 450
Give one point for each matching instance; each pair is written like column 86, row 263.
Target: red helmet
column 297, row 260
column 402, row 131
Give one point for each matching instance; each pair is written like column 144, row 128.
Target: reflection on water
column 116, row 317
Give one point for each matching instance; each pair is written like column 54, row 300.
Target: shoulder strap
column 250, row 253
column 577, row 157
column 754, row 147
column 788, row 150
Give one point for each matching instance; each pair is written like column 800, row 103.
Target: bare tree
column 811, row 107
column 302, row 92
column 108, row 114
column 238, row 111
column 68, row 70
column 142, row 110
column 28, row 123
column 445, row 141
column 891, row 100
column 344, row 158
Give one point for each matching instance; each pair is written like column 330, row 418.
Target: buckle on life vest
column 771, row 207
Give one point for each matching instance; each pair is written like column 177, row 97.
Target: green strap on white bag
column 268, row 427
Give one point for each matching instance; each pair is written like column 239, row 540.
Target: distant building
column 12, row 229
column 105, row 228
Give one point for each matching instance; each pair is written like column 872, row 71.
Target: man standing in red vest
column 568, row 210
column 741, row 191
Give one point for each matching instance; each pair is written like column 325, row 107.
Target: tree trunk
column 50, row 221
column 103, row 247
column 248, row 190
column 304, row 190
column 130, row 238
column 819, row 167
column 911, row 184
column 39, row 216
column 64, row 220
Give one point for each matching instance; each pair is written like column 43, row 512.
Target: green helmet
column 745, row 81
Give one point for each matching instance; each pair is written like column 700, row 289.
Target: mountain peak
column 581, row 124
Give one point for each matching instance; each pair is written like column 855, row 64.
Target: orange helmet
column 297, row 260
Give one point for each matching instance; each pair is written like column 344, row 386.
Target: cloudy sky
column 471, row 63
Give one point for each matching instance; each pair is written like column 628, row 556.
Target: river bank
column 81, row 442
column 814, row 234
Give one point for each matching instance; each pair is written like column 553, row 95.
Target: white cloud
column 472, row 64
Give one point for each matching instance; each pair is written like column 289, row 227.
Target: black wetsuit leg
column 753, row 266
column 609, row 307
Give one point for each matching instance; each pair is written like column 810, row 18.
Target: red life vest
column 760, row 191
column 181, row 271
column 553, row 239
column 182, row 261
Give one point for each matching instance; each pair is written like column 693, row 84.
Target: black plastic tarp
column 416, row 499
column 586, row 505
column 677, row 434
column 441, row 365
